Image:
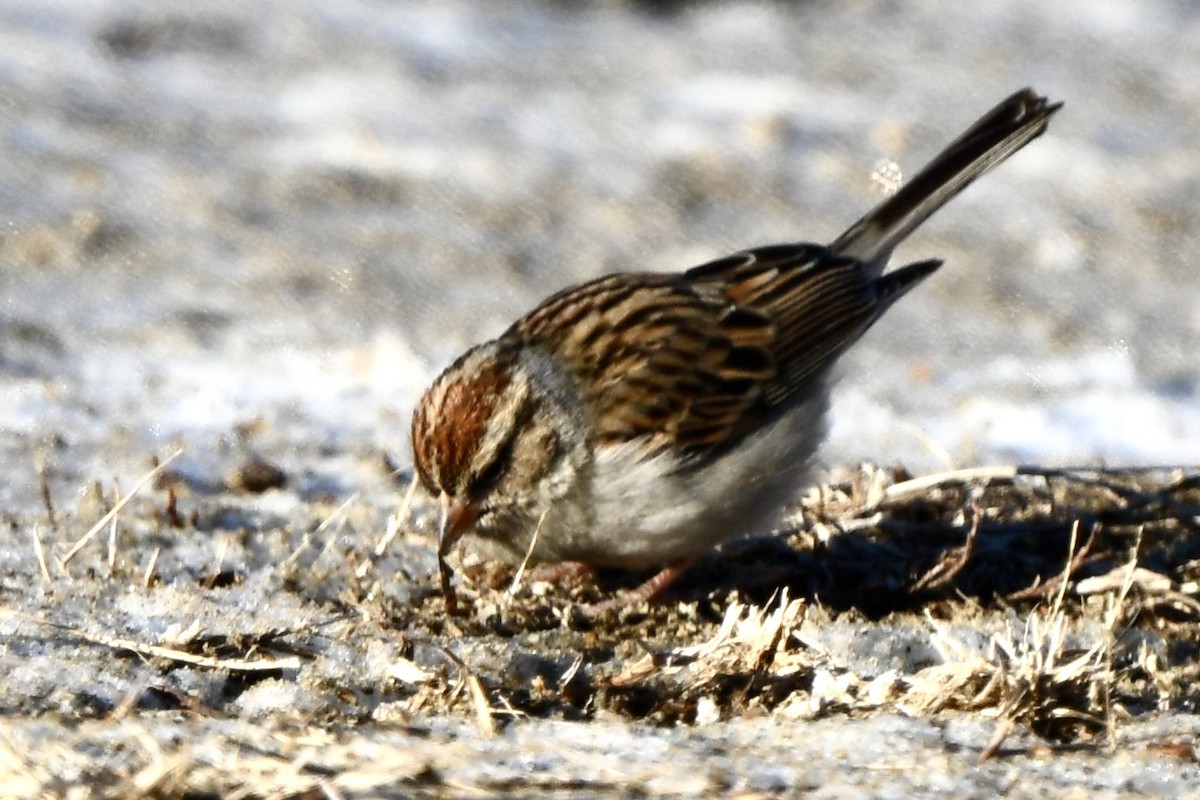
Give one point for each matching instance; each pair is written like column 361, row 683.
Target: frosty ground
column 251, row 235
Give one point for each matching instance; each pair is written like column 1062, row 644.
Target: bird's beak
column 458, row 515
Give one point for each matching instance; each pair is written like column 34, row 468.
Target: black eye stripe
column 481, row 484
column 485, row 481
column 488, row 479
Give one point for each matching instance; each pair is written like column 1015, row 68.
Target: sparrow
column 640, row 419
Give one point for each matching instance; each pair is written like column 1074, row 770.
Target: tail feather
column 893, row 285
column 897, row 283
column 997, row 135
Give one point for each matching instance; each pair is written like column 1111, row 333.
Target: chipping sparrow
column 641, row 419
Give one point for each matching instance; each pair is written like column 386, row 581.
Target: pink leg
column 648, row 591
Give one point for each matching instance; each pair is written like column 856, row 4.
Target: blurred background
column 264, row 227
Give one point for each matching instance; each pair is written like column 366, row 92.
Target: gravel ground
column 253, row 233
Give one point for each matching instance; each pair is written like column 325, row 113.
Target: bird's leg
column 646, row 592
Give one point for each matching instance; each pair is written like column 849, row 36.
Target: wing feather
column 694, row 362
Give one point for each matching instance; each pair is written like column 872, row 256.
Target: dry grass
column 1059, row 603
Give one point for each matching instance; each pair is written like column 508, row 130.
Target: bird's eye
column 487, row 480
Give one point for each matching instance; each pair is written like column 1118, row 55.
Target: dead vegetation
column 1061, row 603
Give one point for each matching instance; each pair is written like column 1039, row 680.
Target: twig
column 148, row 575
column 955, row 560
column 294, row 556
column 112, row 547
column 516, row 581
column 1146, row 469
column 41, row 554
column 112, row 530
column 391, row 531
column 222, row 550
column 483, row 710
column 184, row 657
column 130, row 700
column 565, row 679
column 401, row 513
column 1076, row 560
column 930, row 444
column 1069, row 568
column 116, row 509
column 47, row 501
column 1003, row 729
column 899, row 492
column 1111, row 622
column 169, row 653
column 174, row 518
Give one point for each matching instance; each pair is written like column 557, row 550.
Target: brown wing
column 695, row 361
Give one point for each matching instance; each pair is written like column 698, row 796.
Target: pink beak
column 458, row 515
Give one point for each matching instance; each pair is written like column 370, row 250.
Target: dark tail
column 997, row 135
column 891, row 287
